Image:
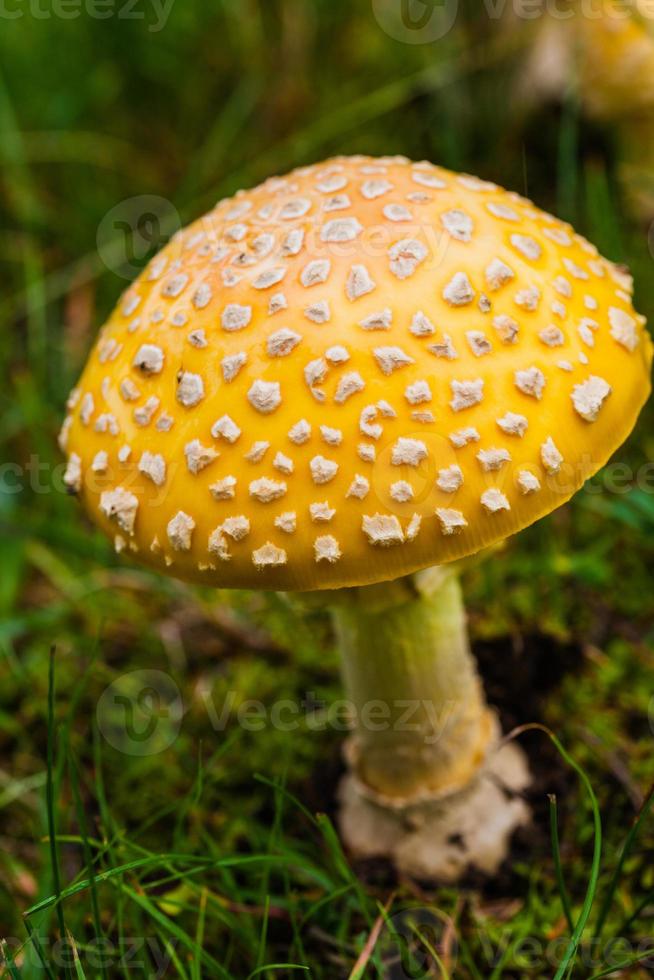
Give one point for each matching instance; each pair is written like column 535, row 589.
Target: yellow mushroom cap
column 347, row 374
column 616, row 58
column 609, row 51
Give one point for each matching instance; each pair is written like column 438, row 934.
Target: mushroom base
column 429, row 784
column 442, row 839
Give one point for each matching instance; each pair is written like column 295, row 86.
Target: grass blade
column 199, row 935
column 563, row 892
column 88, row 857
column 36, row 943
column 276, row 966
column 174, row 930
column 626, row 924
column 159, row 859
column 568, row 165
column 79, row 969
column 624, row 965
column 573, row 945
column 9, row 962
column 102, row 876
column 359, row 968
column 624, row 854
column 50, row 803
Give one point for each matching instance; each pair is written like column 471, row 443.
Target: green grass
column 217, row 856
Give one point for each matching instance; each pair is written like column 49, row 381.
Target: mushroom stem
column 422, row 726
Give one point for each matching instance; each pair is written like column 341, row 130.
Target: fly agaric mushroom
column 342, row 377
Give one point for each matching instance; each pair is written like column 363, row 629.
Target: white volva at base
column 443, row 838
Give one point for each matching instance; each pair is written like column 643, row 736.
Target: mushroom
column 377, row 396
column 612, row 51
column 610, row 56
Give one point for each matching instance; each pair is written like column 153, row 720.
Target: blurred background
column 193, row 847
